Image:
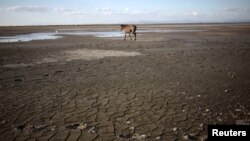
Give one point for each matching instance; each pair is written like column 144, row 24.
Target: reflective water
column 29, row 37
column 56, row 35
column 94, row 33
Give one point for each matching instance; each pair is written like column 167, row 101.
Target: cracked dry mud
column 181, row 83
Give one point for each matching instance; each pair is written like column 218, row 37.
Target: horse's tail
column 135, row 27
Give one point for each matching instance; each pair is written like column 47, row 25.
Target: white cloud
column 32, row 8
column 98, row 11
column 125, row 11
column 193, row 13
column 104, row 11
column 61, row 9
column 66, row 11
column 76, row 13
column 38, row 8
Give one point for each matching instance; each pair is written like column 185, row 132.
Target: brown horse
column 129, row 29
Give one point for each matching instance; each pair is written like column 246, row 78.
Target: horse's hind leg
column 130, row 36
column 135, row 36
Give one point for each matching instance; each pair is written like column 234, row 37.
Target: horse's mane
column 122, row 25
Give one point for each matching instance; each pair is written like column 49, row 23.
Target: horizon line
column 145, row 23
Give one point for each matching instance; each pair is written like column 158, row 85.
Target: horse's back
column 130, row 28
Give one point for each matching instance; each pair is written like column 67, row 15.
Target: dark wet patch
column 125, row 136
column 18, row 80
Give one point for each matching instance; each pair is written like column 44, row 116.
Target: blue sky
column 45, row 12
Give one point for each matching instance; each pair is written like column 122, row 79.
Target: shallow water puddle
column 84, row 54
column 29, row 37
column 56, row 35
column 92, row 33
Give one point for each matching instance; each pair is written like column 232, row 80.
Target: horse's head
column 122, row 26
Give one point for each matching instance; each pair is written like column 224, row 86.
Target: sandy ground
column 164, row 86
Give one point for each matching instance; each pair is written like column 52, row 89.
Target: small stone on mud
column 190, row 137
column 174, row 129
column 219, row 119
column 201, row 127
column 128, row 122
column 232, row 74
column 92, row 130
column 193, row 134
column 39, row 127
column 183, row 93
column 53, row 128
column 238, row 110
column 157, row 138
column 139, row 137
column 82, row 126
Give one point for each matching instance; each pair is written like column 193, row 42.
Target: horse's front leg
column 135, row 36
column 125, row 36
